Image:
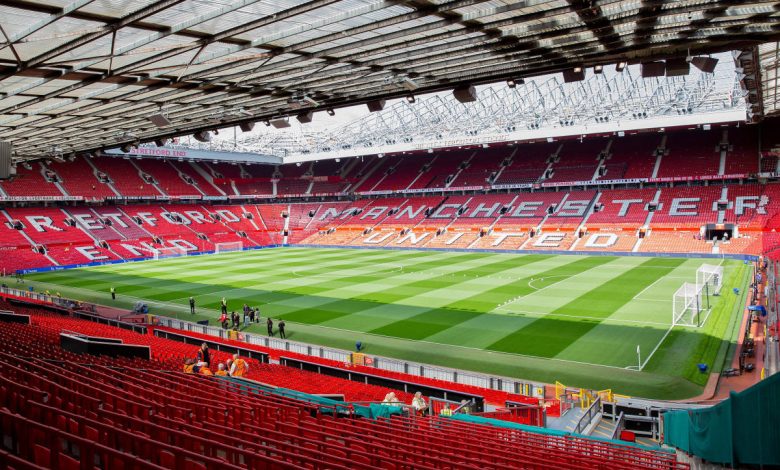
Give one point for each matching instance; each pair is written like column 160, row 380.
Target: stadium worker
column 418, row 404
column 281, row 330
column 224, row 305
column 240, row 367
column 446, row 411
column 192, row 305
column 251, row 315
column 203, row 354
column 391, row 400
column 270, row 325
column 113, row 294
column 191, row 367
column 464, row 407
column 221, row 370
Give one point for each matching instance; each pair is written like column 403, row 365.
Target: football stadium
column 339, row 234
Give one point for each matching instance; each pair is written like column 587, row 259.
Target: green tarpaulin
column 741, row 430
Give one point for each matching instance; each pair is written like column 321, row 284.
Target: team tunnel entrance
column 720, row 231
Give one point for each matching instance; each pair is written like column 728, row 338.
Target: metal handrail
column 590, row 414
column 621, row 422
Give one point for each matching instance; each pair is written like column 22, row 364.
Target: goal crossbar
column 168, row 252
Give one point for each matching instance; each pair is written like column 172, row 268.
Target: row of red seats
column 64, row 414
column 198, row 227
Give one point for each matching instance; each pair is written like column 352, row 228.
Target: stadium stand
column 577, row 161
column 632, row 157
column 125, row 177
column 743, row 154
column 193, row 171
column 694, row 153
column 168, row 178
column 588, row 220
column 484, row 165
column 528, row 164
column 145, row 416
column 47, row 226
column 445, row 167
column 29, row 181
column 79, row 178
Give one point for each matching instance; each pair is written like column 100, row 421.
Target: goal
column 168, row 252
column 710, row 278
column 228, row 246
column 688, row 305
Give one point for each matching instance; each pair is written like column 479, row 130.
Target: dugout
column 395, row 384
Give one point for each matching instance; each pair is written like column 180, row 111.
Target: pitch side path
column 575, row 319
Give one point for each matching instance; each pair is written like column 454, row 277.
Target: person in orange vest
column 203, row 355
column 191, row 367
column 239, row 368
column 221, row 370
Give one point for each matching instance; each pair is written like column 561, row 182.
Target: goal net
column 168, row 252
column 228, row 246
column 687, row 305
column 710, row 278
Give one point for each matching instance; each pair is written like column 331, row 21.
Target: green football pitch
column 568, row 318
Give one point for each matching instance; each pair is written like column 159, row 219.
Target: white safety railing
column 383, row 363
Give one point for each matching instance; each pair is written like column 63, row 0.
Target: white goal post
column 225, row 247
column 687, row 305
column 168, row 252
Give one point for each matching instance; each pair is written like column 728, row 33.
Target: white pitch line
column 636, row 297
column 183, row 307
column 663, row 338
column 603, row 320
column 530, row 283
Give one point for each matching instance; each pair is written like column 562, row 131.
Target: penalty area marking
column 607, row 320
column 558, row 276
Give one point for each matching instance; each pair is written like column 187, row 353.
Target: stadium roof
column 78, row 75
column 536, row 108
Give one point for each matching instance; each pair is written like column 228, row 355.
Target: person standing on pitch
column 281, row 330
column 224, row 306
column 192, row 305
column 113, row 294
column 270, row 324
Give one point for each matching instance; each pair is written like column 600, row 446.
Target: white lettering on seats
column 550, row 240
column 595, row 240
column 90, row 253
